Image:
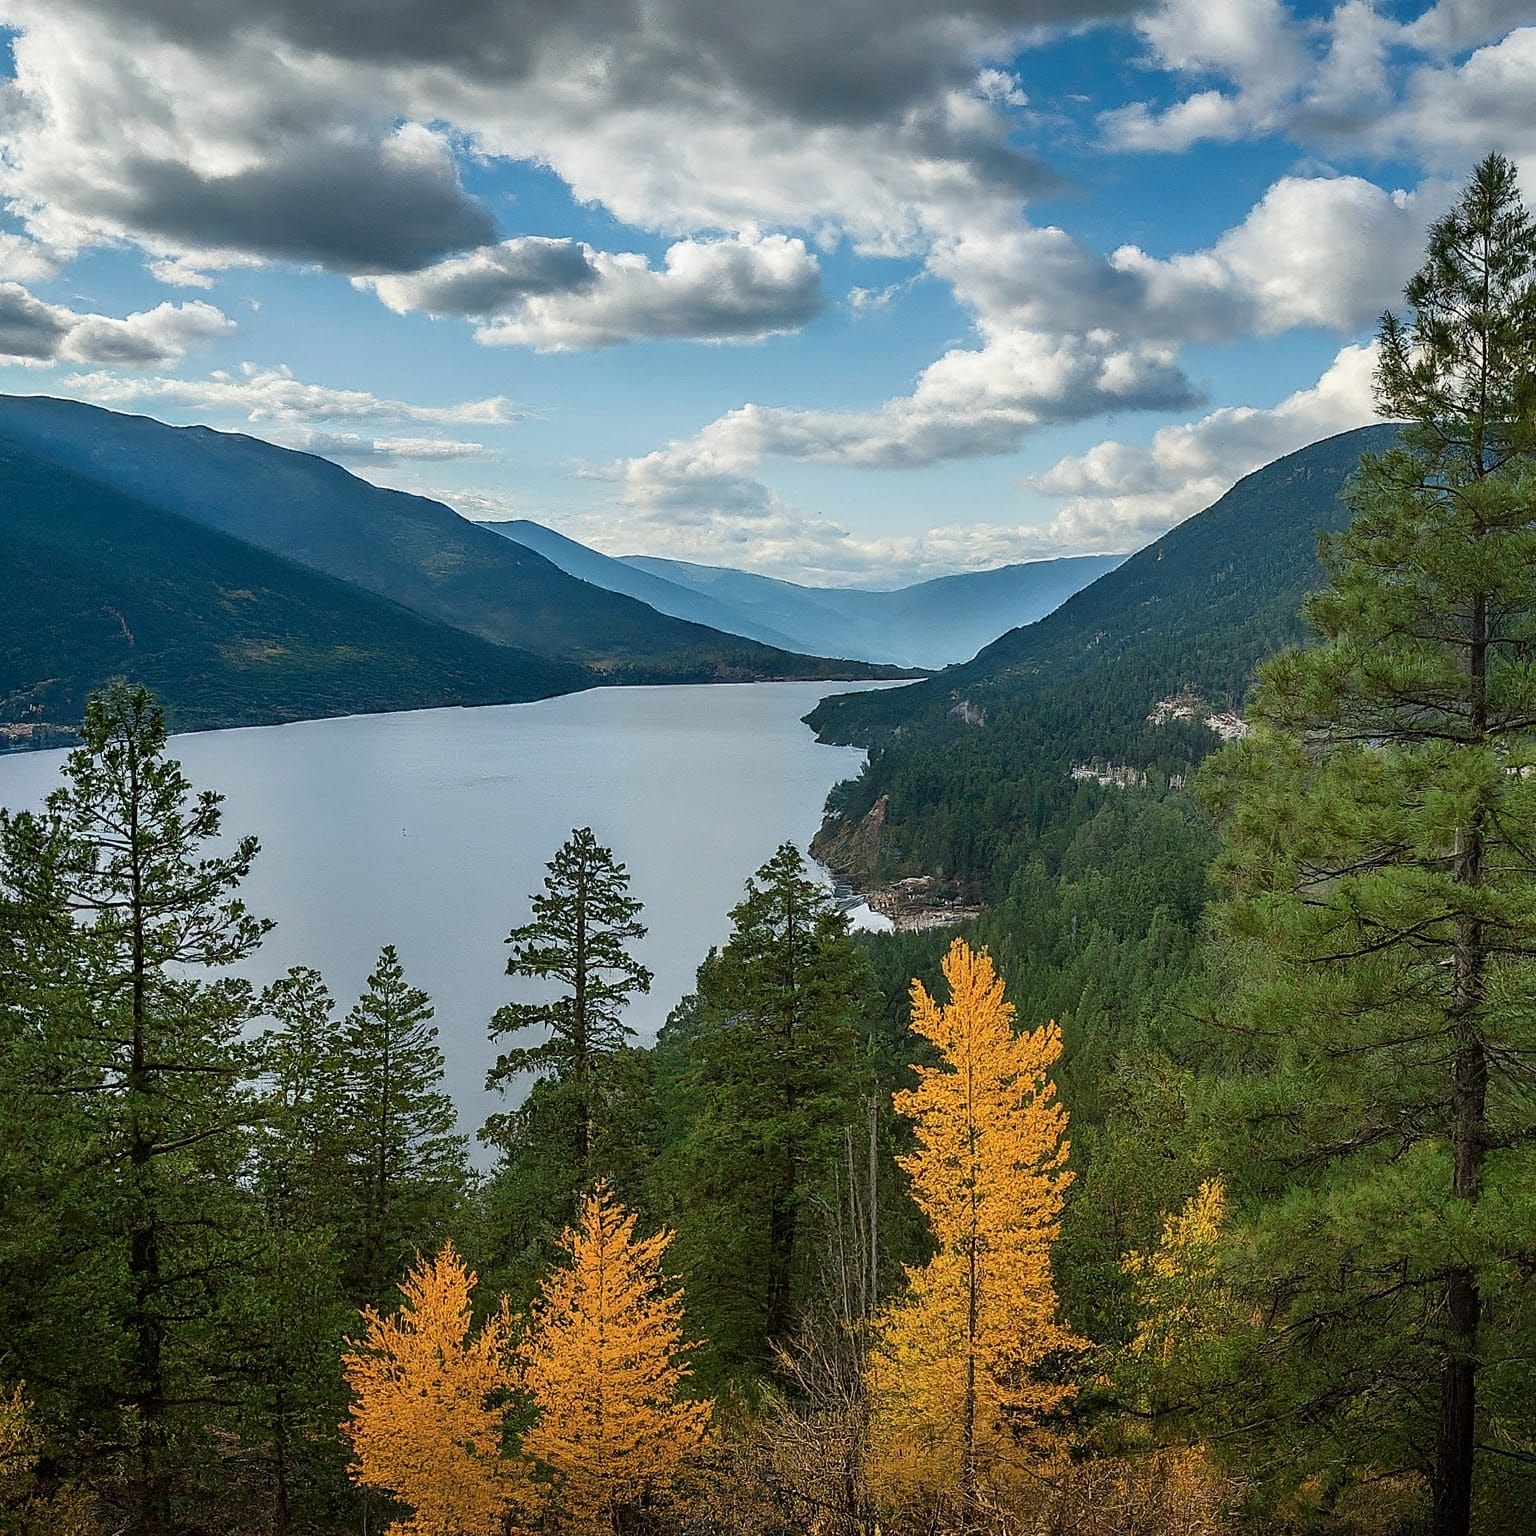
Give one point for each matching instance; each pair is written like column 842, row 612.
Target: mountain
column 964, row 764
column 99, row 583
column 408, row 549
column 670, row 597
column 927, row 625
column 1202, row 605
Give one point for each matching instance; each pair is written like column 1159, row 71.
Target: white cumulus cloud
column 1118, row 496
column 556, row 296
column 274, row 394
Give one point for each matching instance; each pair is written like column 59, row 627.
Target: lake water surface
column 430, row 830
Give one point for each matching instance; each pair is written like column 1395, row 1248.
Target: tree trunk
column 1455, row 1439
column 152, row 1515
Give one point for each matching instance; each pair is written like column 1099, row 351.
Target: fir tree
column 1380, row 833
column 959, row 1395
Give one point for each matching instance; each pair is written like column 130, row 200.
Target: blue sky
column 847, row 291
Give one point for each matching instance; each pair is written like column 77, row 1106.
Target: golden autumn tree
column 26, row 1504
column 957, row 1406
column 1177, row 1284
column 421, row 1425
column 603, row 1364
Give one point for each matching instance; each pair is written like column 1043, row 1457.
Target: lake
column 429, row 831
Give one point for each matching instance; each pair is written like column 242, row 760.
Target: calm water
column 430, row 830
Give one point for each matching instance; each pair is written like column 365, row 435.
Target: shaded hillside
column 978, row 759
column 411, row 550
column 99, row 584
column 928, row 624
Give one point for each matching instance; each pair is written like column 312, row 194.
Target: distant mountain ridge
column 929, row 624
column 626, row 576
column 408, row 549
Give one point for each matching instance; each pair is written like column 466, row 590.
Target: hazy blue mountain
column 409, row 549
column 930, row 624
column 672, row 597
column 99, row 584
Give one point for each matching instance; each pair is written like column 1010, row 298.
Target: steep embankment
column 982, row 755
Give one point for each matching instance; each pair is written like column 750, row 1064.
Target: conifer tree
column 288, row 1324
column 140, row 1030
column 771, row 1062
column 408, row 1165
column 958, row 1400
column 1380, row 830
column 569, row 1129
column 583, row 924
column 428, row 1404
column 603, row 1365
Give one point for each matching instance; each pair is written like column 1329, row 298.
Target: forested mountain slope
column 98, row 583
column 981, row 755
column 409, row 549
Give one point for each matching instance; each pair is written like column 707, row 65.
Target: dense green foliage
column 760, row 1074
column 1381, row 829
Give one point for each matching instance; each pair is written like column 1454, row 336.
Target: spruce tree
column 1381, row 833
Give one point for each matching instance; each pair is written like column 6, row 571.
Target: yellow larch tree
column 422, row 1425
column 1177, row 1284
column 957, row 1407
column 602, row 1363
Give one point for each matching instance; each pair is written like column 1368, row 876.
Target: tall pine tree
column 1381, row 836
column 129, row 918
column 576, row 1122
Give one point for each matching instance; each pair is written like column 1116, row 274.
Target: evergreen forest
column 1189, row 1190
